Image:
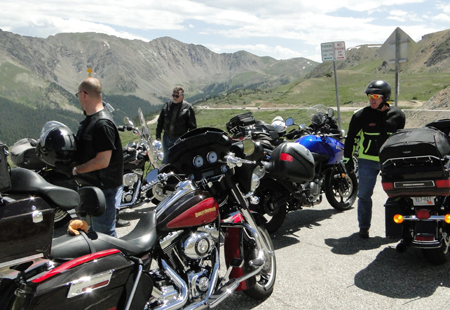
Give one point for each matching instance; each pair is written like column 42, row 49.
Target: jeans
column 166, row 145
column 106, row 223
column 368, row 172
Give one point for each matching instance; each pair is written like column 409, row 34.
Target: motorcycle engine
column 201, row 243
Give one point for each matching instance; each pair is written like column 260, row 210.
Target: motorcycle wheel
column 265, row 280
column 61, row 218
column 437, row 256
column 339, row 199
column 268, row 191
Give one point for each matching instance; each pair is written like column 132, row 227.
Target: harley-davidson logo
column 203, row 212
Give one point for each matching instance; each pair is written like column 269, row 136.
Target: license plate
column 423, row 201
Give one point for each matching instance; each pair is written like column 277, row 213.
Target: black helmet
column 379, row 87
column 56, row 144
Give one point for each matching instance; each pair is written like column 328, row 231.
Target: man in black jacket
column 99, row 154
column 176, row 118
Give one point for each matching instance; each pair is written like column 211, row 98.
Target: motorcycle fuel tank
column 324, row 146
column 193, row 209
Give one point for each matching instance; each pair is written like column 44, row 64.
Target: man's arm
column 100, row 161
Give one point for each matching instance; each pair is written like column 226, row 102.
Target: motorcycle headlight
column 130, row 179
column 255, row 182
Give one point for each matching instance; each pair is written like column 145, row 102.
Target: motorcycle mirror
column 151, row 176
column 330, row 112
column 249, row 146
column 289, row 121
column 127, row 121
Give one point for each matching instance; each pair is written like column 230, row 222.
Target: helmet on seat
column 56, row 144
column 279, row 125
column 379, row 87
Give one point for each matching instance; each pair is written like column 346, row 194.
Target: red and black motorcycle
column 171, row 260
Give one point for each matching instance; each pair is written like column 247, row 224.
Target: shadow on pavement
column 354, row 243
column 288, row 235
column 402, row 275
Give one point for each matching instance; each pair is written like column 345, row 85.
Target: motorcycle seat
column 28, row 182
column 140, row 240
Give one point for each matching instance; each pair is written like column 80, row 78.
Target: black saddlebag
column 240, row 120
column 26, row 229
column 413, row 159
column 392, row 207
column 291, row 162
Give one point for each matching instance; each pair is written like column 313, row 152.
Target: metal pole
column 337, row 94
column 397, row 58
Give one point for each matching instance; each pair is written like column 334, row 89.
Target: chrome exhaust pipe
column 182, row 298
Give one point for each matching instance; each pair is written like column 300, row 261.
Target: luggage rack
column 416, row 168
column 428, row 160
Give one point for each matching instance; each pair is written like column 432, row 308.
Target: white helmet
column 279, row 125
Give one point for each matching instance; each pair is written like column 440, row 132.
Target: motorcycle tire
column 338, row 199
column 437, row 256
column 267, row 191
column 61, row 218
column 265, row 280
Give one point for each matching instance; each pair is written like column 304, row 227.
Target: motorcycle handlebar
column 126, row 128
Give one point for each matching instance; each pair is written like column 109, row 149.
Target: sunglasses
column 80, row 93
column 374, row 96
column 176, row 96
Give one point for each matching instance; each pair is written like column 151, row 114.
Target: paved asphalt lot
column 322, row 263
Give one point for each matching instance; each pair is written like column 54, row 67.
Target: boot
column 121, row 222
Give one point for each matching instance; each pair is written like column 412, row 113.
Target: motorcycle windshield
column 146, row 137
column 318, row 114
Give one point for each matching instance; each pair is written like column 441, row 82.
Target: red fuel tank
column 194, row 209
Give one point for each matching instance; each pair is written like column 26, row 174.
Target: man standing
column 99, row 155
column 371, row 125
column 176, row 118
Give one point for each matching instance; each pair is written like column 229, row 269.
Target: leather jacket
column 182, row 123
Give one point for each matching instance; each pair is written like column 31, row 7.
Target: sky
column 281, row 29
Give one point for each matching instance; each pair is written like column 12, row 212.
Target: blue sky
column 281, row 29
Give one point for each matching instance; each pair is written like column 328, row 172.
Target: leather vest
column 109, row 177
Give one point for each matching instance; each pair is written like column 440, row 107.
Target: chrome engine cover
column 201, row 243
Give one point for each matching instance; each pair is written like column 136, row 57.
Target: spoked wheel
column 269, row 193
column 61, row 218
column 341, row 196
column 437, row 256
column 265, row 280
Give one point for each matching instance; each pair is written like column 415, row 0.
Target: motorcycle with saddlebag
column 171, row 258
column 415, row 175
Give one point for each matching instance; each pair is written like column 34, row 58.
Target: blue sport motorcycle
column 321, row 153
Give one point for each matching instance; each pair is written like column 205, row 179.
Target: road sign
column 333, row 51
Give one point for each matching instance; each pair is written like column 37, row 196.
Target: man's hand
column 350, row 166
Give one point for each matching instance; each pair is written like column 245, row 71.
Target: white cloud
column 442, row 18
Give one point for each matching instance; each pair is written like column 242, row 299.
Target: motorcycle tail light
column 388, row 186
column 423, row 214
column 424, row 238
column 443, row 183
column 286, row 157
column 398, row 218
column 447, row 218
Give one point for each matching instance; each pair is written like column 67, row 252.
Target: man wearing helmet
column 99, row 155
column 369, row 128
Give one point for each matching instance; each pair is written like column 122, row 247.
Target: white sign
column 333, row 51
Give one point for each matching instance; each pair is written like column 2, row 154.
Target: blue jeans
column 368, row 172
column 106, row 223
column 166, row 145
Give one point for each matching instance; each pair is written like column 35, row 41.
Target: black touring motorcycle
column 415, row 175
column 173, row 258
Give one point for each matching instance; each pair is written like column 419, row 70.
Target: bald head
column 92, row 87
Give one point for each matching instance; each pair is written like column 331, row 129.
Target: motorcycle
column 415, row 165
column 171, row 260
column 140, row 159
column 321, row 170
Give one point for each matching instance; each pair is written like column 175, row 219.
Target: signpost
column 332, row 51
column 397, row 49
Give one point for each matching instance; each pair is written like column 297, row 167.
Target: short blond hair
column 178, row 89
